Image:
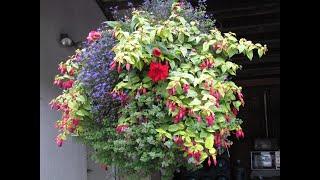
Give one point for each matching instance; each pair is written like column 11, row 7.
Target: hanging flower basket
column 151, row 91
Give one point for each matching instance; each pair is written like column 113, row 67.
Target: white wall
column 77, row 18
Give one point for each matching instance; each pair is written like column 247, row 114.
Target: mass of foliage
column 151, row 91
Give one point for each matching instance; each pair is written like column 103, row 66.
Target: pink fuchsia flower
column 62, row 68
column 215, row 94
column 75, row 122
column 239, row 133
column 171, row 105
column 235, row 111
column 214, row 162
column 186, row 88
column 172, row 91
column 119, row 69
column 71, row 128
column 240, row 96
column 209, row 161
column 67, row 84
column 59, row 141
column 217, row 139
column 55, row 105
column 112, row 65
column 227, row 118
column 206, row 64
column 71, row 72
column 93, row 36
column 58, row 83
column 197, row 155
column 198, row 117
column 210, row 119
column 121, row 128
column 178, row 140
column 128, row 67
column 181, row 114
column 156, row 52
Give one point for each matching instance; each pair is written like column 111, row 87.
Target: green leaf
column 209, row 141
column 170, row 37
column 236, row 104
column 121, row 85
column 173, row 128
column 192, row 93
column 203, row 157
column 81, row 99
column 212, row 151
column 181, row 37
column 224, row 68
column 160, row 130
column 198, row 39
column 81, row 112
column 112, row 23
column 220, row 118
column 260, row 52
column 232, row 51
column 195, row 102
column 184, row 51
column 168, row 135
column 203, row 134
column 205, row 46
column 189, row 122
column 168, row 144
column 139, row 65
column 199, row 147
column 250, row 54
column 172, row 64
column 146, row 79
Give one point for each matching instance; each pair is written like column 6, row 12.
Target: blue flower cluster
column 97, row 78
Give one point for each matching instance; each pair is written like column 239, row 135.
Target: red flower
column 156, row 52
column 158, row 71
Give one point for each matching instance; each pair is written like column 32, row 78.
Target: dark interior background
column 258, row 21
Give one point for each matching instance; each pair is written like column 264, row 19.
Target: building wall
column 77, row 18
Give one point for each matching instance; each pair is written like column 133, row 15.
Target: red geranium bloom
column 156, row 52
column 158, row 71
